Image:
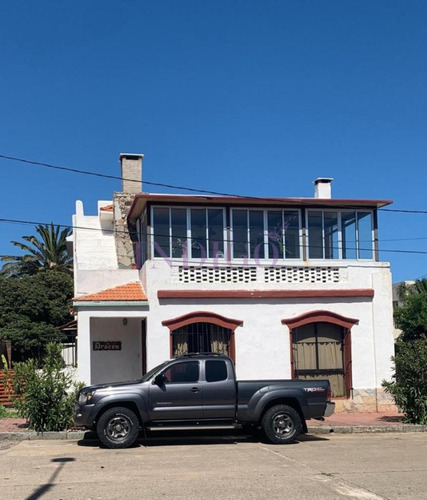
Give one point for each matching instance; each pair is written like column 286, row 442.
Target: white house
column 288, row 287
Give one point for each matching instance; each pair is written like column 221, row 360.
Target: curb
column 365, row 429
column 34, row 436
column 321, row 429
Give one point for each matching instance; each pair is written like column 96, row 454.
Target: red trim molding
column 320, row 316
column 264, row 294
column 202, row 317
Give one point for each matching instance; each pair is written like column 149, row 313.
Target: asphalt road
column 353, row 466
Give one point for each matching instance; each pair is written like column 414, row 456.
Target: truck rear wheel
column 281, row 424
column 118, row 428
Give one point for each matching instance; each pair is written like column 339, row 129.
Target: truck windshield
column 153, row 371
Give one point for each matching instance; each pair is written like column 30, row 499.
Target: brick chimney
column 131, row 172
column 322, row 187
column 125, row 233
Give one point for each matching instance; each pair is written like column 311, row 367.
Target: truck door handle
column 194, row 389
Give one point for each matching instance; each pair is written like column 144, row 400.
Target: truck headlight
column 85, row 397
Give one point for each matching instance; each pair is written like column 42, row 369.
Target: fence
column 5, row 396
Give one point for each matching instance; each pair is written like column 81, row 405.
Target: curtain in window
column 318, row 354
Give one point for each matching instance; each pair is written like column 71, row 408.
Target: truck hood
column 113, row 385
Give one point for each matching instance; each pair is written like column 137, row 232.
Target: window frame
column 358, row 250
column 188, row 236
column 268, row 253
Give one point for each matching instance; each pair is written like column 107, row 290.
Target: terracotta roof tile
column 129, row 292
column 107, row 208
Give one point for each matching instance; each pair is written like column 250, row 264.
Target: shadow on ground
column 195, row 438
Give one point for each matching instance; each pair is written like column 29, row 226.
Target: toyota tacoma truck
column 200, row 392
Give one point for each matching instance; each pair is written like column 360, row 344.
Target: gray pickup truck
column 200, row 392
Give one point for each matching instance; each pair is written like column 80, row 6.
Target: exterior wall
column 263, row 344
column 95, row 257
column 104, row 324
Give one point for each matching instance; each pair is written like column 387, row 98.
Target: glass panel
column 161, row 232
column 275, row 234
column 240, row 234
column 348, row 223
column 179, row 232
column 365, row 241
column 216, row 371
column 216, row 233
column 315, row 241
column 331, row 235
column 291, row 231
column 256, row 229
column 182, row 373
column 198, row 233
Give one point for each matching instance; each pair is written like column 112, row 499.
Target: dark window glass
column 161, row 232
column 182, row 373
column 179, row 232
column 348, row 229
column 291, row 233
column 315, row 240
column 216, row 233
column 256, row 232
column 275, row 234
column 240, row 234
column 198, row 233
column 216, row 371
column 331, row 235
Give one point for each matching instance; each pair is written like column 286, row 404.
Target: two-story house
column 287, row 287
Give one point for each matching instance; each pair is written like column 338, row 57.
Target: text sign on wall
column 111, row 345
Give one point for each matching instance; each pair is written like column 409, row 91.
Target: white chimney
column 322, row 187
column 131, row 172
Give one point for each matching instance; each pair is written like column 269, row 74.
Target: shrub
column 409, row 384
column 46, row 396
column 3, row 412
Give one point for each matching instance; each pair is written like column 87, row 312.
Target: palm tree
column 48, row 251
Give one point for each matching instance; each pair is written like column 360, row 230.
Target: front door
column 180, row 395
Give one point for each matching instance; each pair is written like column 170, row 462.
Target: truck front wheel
column 281, row 424
column 118, row 428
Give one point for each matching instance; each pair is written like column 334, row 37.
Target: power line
column 160, row 184
column 185, row 237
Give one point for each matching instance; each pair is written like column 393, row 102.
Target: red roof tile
column 107, row 208
column 129, row 292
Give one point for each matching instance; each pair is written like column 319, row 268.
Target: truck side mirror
column 159, row 379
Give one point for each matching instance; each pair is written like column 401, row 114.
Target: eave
column 141, row 201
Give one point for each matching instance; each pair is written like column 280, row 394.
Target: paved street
column 363, row 466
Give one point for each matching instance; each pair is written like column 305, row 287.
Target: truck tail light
column 329, row 393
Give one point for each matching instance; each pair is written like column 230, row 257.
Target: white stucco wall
column 262, row 342
column 98, row 323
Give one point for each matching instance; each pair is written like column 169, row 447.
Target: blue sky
column 249, row 97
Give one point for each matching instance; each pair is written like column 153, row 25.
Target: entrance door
column 180, row 395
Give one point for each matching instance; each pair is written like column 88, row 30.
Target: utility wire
column 186, row 238
column 160, row 184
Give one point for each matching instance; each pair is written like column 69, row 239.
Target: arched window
column 202, row 332
column 321, row 348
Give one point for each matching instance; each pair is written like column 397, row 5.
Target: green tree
column 411, row 317
column 48, row 250
column 31, row 310
column 409, row 383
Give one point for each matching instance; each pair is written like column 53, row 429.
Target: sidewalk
column 363, row 422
